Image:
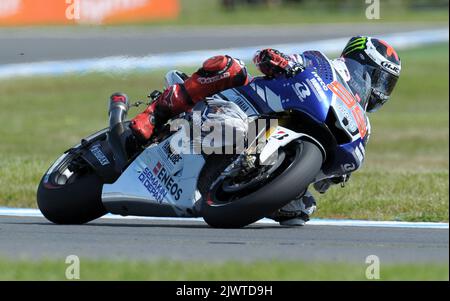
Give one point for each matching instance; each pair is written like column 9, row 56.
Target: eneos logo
column 169, row 183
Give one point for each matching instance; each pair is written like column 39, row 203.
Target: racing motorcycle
column 321, row 132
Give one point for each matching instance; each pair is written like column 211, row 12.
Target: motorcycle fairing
column 280, row 137
column 311, row 92
column 157, row 183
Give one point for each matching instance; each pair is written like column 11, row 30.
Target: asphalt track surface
column 132, row 239
column 21, row 45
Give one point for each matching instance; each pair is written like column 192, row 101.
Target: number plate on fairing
column 348, row 112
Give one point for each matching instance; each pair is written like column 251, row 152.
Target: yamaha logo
column 302, row 90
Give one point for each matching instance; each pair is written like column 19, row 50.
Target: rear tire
column 278, row 192
column 75, row 203
column 76, row 200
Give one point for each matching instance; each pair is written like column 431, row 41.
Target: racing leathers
column 217, row 74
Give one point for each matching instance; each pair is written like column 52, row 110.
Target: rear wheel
column 75, row 203
column 234, row 202
column 70, row 192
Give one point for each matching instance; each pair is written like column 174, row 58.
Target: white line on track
column 116, row 64
column 26, row 212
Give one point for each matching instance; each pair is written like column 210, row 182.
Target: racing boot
column 173, row 101
column 297, row 212
column 217, row 74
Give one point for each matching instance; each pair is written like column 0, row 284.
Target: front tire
column 289, row 184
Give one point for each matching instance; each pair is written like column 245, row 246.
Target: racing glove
column 274, row 63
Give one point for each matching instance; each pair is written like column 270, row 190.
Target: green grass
column 405, row 176
column 173, row 270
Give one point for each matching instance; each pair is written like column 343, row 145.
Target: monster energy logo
column 356, row 44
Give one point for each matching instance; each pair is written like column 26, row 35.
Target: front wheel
column 225, row 206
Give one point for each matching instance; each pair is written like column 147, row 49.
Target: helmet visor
column 382, row 81
column 372, row 84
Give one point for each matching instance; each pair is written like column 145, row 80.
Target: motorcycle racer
column 369, row 66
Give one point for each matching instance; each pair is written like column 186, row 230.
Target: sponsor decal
column 209, row 80
column 318, row 86
column 360, row 120
column 174, row 158
column 356, row 44
column 280, row 135
column 99, row 155
column 391, row 67
column 320, row 80
column 166, row 179
column 348, row 167
column 302, row 90
column 347, row 120
column 339, row 90
column 317, row 89
column 152, row 184
column 242, row 104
